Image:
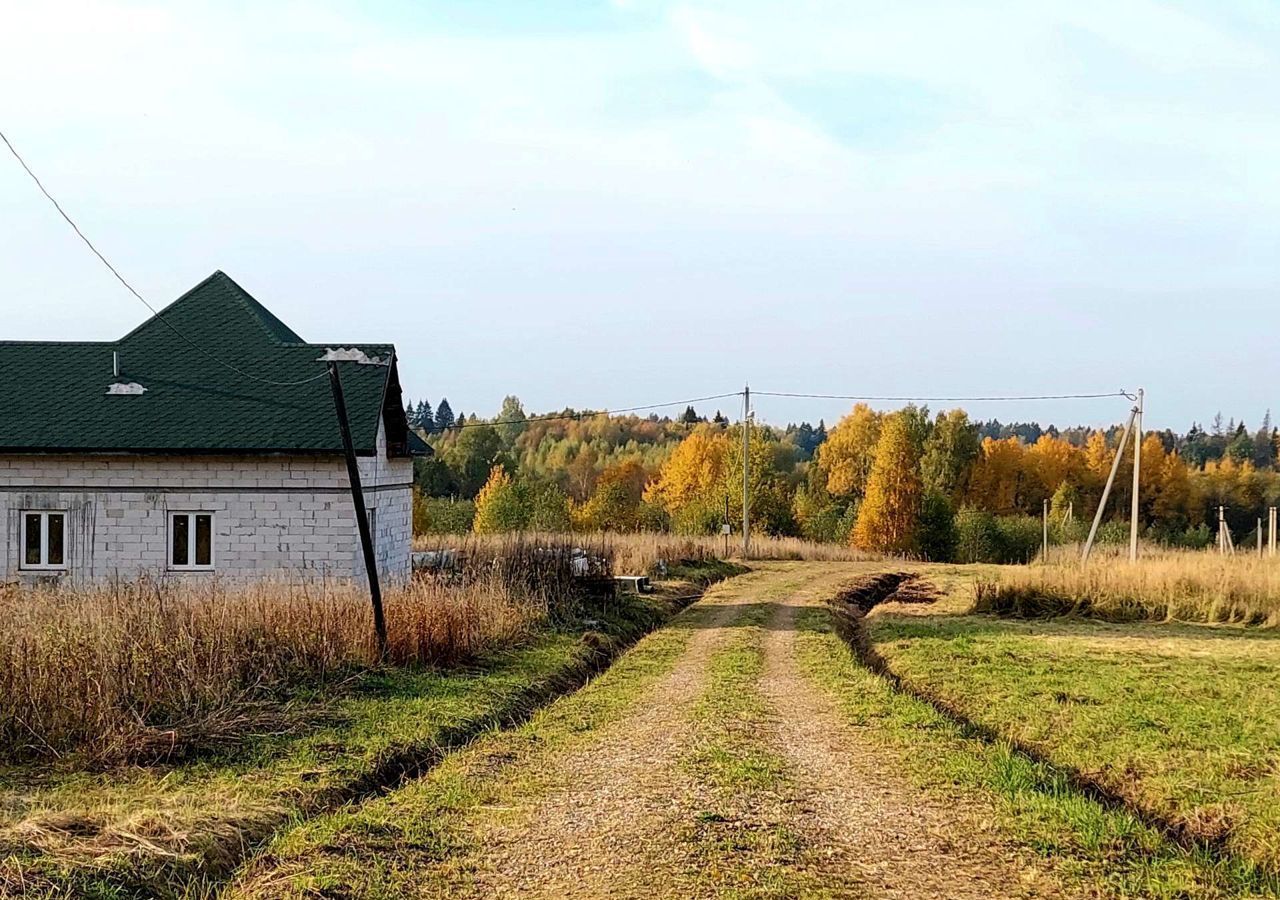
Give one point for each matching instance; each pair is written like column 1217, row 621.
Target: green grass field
column 1181, row 722
column 1108, row 851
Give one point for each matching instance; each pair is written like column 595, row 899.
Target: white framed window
column 44, row 539
column 191, row 541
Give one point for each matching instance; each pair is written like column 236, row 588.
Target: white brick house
column 146, row 456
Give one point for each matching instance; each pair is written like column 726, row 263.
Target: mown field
column 1175, row 721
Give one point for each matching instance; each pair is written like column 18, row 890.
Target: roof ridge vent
column 126, row 389
column 351, row 354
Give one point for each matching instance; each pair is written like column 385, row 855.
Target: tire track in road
column 867, row 816
column 612, row 825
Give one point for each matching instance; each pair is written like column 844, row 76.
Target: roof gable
column 58, row 396
column 217, row 311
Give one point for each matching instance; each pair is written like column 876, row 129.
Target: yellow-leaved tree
column 847, row 454
column 889, row 517
column 686, row 486
column 1173, row 502
column 614, row 505
column 499, row 506
column 997, row 478
column 1050, row 462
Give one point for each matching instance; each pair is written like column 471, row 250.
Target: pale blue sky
column 610, row 204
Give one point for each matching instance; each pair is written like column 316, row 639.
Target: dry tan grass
column 149, row 669
column 645, row 551
column 1179, row 586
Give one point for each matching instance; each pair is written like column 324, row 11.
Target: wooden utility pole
column 746, row 472
column 1044, row 555
column 1225, row 544
column 362, row 518
column 1271, row 531
column 1259, row 537
column 1106, row 491
column 1137, row 469
column 725, row 528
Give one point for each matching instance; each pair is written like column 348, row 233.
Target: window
column 44, row 540
column 191, row 540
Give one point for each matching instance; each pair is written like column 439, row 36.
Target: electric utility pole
column 1044, row 554
column 746, row 472
column 1106, row 490
column 1137, row 468
column 362, row 518
column 1226, row 546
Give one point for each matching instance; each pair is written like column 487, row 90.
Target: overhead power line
column 590, row 413
column 868, row 399
column 154, row 312
column 586, row 414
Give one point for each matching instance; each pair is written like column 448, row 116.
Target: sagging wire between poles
column 990, row 399
column 154, row 312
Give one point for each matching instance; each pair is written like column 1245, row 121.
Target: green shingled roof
column 54, row 395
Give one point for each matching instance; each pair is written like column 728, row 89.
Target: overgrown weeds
column 654, row 552
column 1185, row 587
column 155, row 669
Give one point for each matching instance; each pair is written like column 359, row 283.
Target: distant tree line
column 1197, row 446
column 940, row 487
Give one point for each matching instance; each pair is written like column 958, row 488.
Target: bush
column 1073, row 532
column 984, row 538
column 976, row 537
column 1191, row 538
column 652, row 517
column 548, row 506
column 831, row 523
column 1113, row 533
column 1019, row 538
column 937, row 539
column 697, row 518
column 442, row 515
column 1197, row 538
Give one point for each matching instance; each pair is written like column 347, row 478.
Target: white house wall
column 273, row 515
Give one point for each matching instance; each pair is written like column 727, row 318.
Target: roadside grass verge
column 427, row 837
column 177, row 829
column 1038, row 803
